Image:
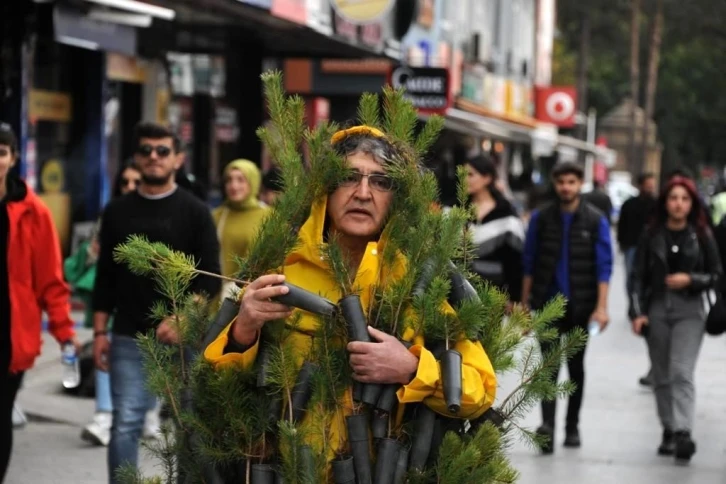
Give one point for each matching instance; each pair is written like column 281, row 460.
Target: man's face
column 567, row 187
column 359, row 206
column 7, row 160
column 157, row 160
column 648, row 187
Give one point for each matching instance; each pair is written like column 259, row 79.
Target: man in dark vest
column 568, row 251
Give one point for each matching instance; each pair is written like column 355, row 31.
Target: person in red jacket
column 31, row 281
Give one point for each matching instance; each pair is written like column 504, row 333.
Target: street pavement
column 619, row 428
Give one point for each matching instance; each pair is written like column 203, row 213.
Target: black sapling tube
column 422, row 440
column 355, row 320
column 240, row 470
column 307, row 301
column 358, row 437
column 401, row 466
column 451, row 377
column 424, row 279
column 274, row 411
column 279, row 479
column 227, row 312
column 387, row 461
column 308, row 463
column 357, row 391
column 262, row 474
column 302, row 391
column 344, row 470
column 461, row 288
column 387, row 400
column 379, row 424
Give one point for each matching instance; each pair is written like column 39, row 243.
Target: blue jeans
column 103, row 392
column 629, row 267
column 131, row 399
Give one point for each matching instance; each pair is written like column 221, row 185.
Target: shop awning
column 475, row 124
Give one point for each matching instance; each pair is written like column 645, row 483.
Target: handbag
column 716, row 318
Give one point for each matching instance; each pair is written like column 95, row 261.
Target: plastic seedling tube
column 387, row 400
column 240, row 469
column 278, row 478
column 427, row 273
column 451, row 376
column 422, row 440
column 302, row 391
column 357, row 391
column 308, row 463
column 358, row 437
column 275, row 409
column 355, row 320
column 461, row 288
column 386, row 461
column 379, row 424
column 262, row 474
column 344, row 470
column 401, row 466
column 227, row 312
column 307, row 301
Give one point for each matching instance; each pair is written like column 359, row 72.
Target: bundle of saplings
column 289, row 408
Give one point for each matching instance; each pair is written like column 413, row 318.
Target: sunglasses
column 161, row 150
column 376, row 181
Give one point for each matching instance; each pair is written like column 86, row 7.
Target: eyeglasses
column 376, row 181
column 161, row 150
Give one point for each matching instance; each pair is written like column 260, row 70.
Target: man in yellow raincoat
column 355, row 213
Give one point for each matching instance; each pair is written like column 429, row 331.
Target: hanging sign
column 426, row 87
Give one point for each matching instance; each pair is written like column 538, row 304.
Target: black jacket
column 582, row 261
column 601, row 201
column 634, row 215
column 700, row 259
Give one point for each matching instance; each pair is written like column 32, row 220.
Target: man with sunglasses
column 161, row 212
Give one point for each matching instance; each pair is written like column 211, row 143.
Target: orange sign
column 49, row 106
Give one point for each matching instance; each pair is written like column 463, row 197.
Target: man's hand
column 601, row 316
column 639, row 323
column 256, row 307
column 166, row 332
column 101, row 348
column 386, row 361
column 678, row 280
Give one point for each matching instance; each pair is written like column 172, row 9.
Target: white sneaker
column 19, row 418
column 98, row 432
column 152, row 424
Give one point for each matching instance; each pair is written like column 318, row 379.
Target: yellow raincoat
column 305, row 267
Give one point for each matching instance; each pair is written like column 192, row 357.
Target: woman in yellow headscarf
column 241, row 214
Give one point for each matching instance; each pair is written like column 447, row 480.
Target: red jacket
column 35, row 270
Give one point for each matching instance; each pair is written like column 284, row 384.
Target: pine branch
column 429, row 134
column 368, row 110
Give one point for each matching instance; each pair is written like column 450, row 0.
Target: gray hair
column 379, row 148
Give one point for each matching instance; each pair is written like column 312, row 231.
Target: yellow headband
column 359, row 130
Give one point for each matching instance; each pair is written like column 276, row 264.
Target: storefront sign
column 125, row 68
column 426, row 87
column 49, row 106
column 557, row 105
column 318, row 16
column 362, row 11
column 292, row 10
column 52, row 179
column 80, row 31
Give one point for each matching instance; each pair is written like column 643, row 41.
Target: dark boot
column 572, row 438
column 685, row 446
column 548, row 431
column 668, row 444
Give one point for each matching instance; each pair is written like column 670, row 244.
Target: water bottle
column 593, row 328
column 71, row 367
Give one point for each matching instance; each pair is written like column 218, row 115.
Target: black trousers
column 9, row 386
column 576, row 371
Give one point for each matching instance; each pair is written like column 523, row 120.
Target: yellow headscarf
column 254, row 178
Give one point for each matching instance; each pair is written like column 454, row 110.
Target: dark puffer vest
column 582, row 258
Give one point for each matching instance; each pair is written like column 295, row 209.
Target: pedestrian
column 568, row 251
column 354, row 213
column 676, row 262
column 497, row 231
column 31, row 282
column 600, row 199
column 161, row 212
column 240, row 215
column 634, row 217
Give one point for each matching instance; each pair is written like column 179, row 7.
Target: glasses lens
column 163, row 151
column 145, row 150
column 352, row 178
column 380, row 182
